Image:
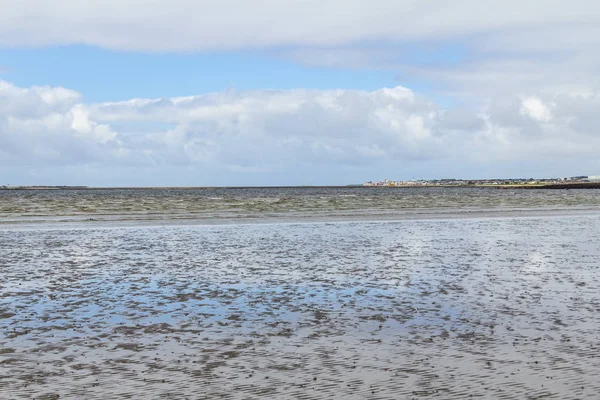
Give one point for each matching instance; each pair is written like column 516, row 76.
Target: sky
column 296, row 92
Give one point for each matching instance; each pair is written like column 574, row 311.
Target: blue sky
column 105, row 75
column 365, row 90
column 112, row 75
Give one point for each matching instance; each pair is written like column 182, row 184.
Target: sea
column 300, row 293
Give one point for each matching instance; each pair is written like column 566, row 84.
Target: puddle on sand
column 501, row 308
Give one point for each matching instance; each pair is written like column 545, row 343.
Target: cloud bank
column 290, row 136
column 467, row 48
column 183, row 25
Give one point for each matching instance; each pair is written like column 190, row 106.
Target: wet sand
column 502, row 308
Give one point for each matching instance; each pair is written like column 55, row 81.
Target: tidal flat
column 502, row 308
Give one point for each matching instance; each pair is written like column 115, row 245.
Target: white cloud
column 48, row 125
column 291, row 134
column 208, row 24
column 534, row 108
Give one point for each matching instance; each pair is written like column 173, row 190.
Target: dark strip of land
column 582, row 185
column 577, row 185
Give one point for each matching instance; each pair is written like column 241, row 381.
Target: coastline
column 575, row 185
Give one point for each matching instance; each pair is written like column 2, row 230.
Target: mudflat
column 489, row 308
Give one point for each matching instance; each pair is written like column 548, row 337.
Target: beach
column 484, row 306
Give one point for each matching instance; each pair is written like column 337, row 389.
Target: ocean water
column 355, row 294
column 231, row 205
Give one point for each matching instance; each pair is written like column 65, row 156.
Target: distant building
column 594, row 178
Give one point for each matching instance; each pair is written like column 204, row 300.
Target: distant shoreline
column 556, row 186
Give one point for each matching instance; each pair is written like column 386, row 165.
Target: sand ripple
column 503, row 308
